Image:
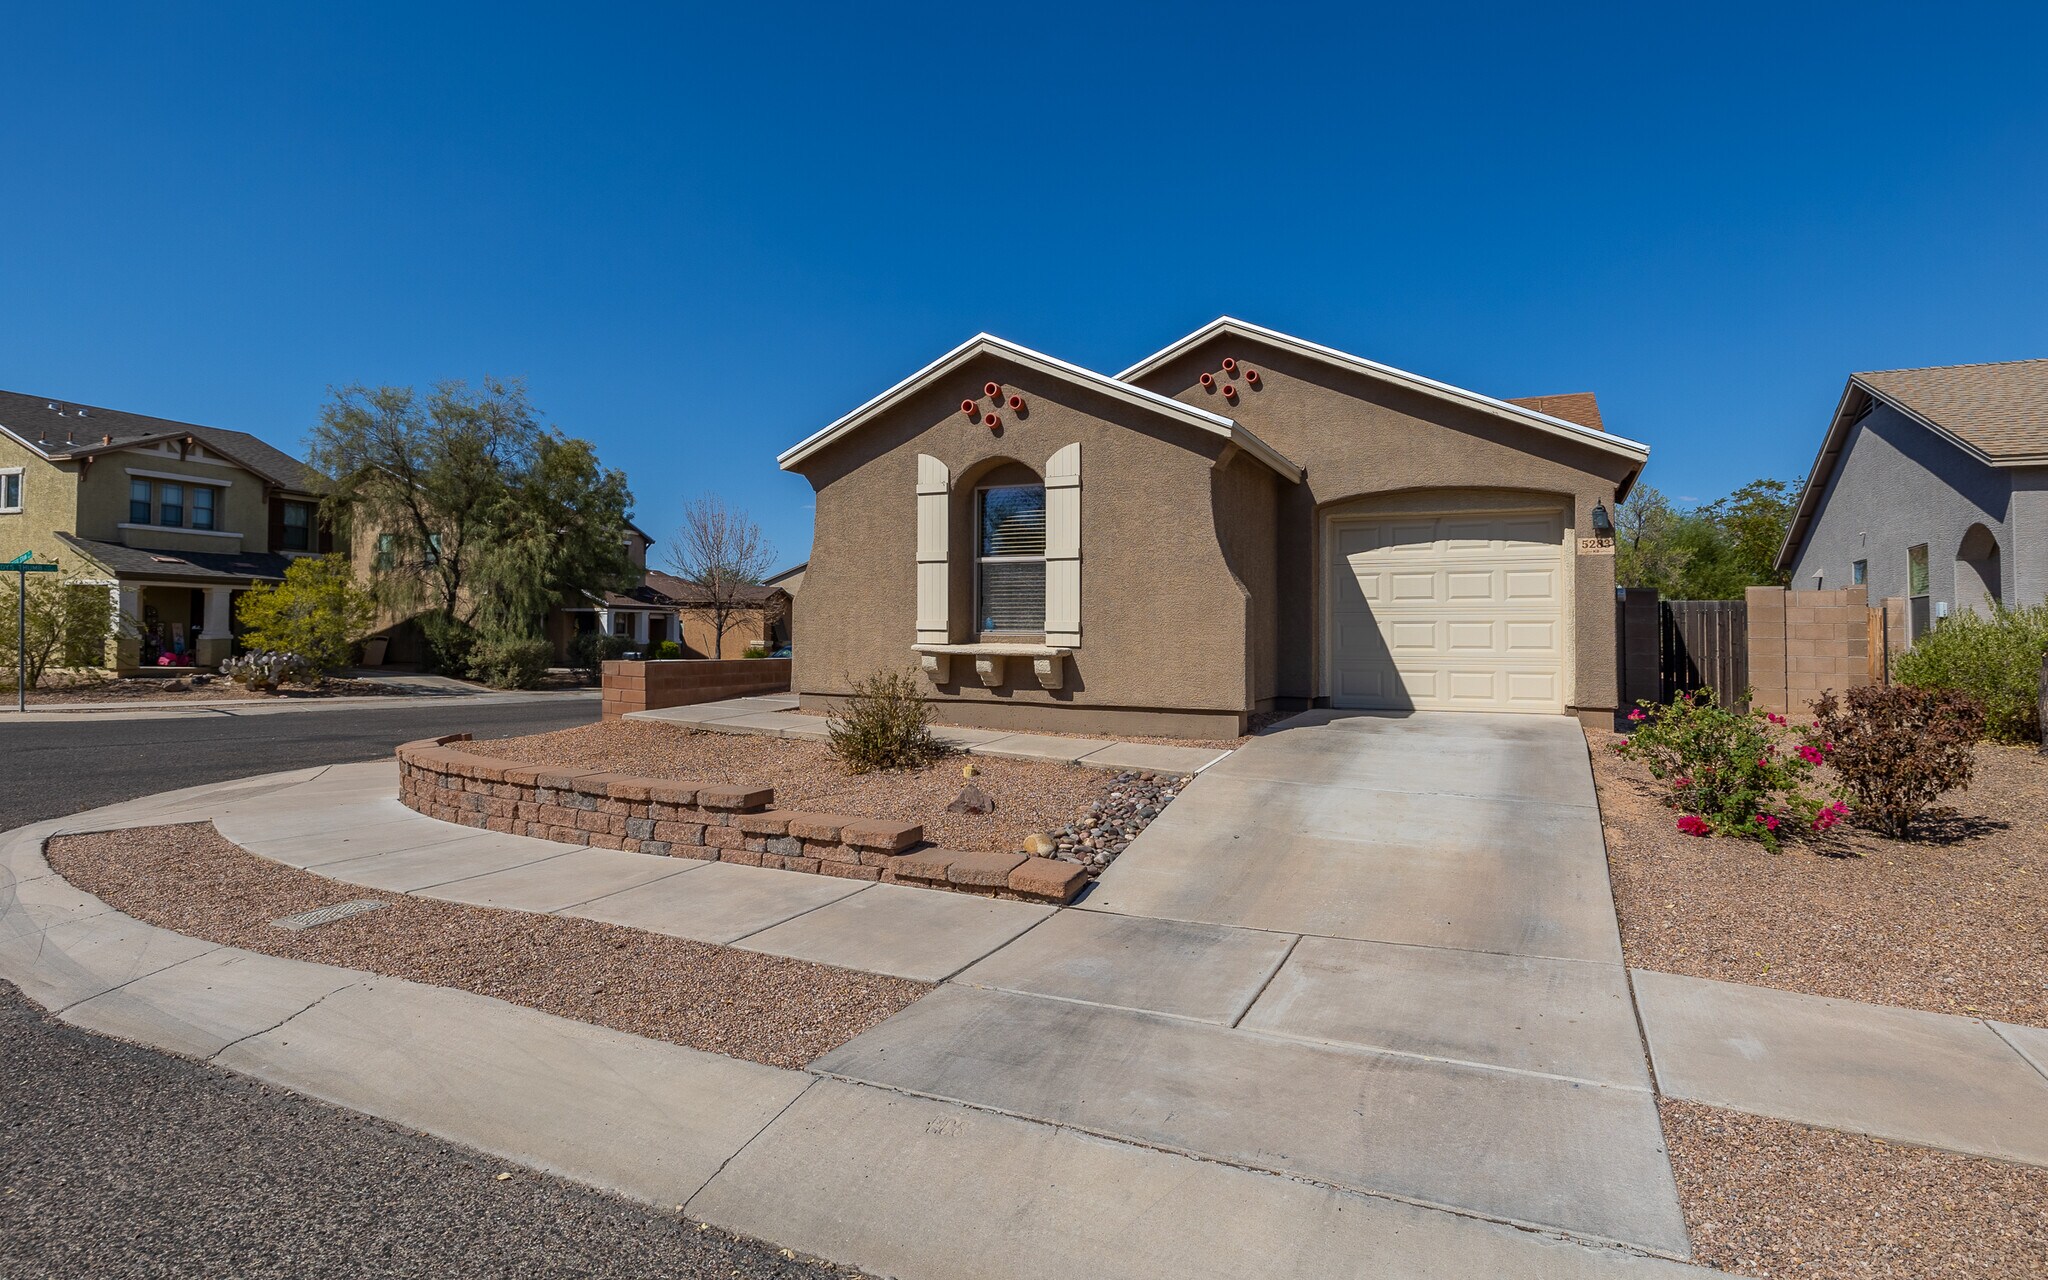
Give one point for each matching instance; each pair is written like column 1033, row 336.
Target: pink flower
column 1810, row 755
column 1827, row 746
column 1774, row 717
column 1830, row 815
column 1768, row 822
column 1763, row 762
column 1681, row 782
column 1693, row 825
column 1637, row 714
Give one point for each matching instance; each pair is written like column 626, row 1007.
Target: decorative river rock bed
column 1107, row 829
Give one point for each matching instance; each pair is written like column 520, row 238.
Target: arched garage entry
column 1447, row 600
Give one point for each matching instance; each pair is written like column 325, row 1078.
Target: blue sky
column 701, row 236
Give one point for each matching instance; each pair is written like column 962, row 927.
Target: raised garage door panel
column 1460, row 611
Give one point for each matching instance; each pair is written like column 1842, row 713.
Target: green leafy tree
column 1753, row 521
column 478, row 516
column 1647, row 552
column 317, row 612
column 1710, row 552
column 70, row 624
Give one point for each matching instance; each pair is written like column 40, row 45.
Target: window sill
column 1048, row 662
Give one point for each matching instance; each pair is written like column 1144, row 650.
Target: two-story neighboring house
column 173, row 516
column 1931, row 486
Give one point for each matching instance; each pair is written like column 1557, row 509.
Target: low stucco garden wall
column 683, row 682
column 712, row 822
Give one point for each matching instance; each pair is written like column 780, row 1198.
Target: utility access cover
column 328, row 915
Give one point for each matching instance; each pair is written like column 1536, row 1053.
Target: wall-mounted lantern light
column 1603, row 526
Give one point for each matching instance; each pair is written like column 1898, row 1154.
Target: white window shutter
column 934, row 588
column 1063, row 547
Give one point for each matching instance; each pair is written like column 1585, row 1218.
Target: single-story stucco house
column 1241, row 522
column 1932, row 486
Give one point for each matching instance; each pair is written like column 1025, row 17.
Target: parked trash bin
column 373, row 650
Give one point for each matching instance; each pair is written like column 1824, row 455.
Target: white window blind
column 1010, row 589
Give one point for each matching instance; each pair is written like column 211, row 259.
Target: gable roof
column 1582, row 407
column 61, row 429
column 682, row 591
column 988, row 344
column 1507, row 409
column 196, row 566
column 1997, row 413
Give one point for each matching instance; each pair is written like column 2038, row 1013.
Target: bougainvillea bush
column 1897, row 750
column 1727, row 773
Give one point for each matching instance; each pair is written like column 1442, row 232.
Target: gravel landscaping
column 190, row 686
column 743, row 1004
column 1953, row 923
column 1030, row 796
column 1769, row 1198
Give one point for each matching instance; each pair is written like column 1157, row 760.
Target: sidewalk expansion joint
column 311, row 1005
column 132, row 978
column 1550, row 1232
column 2040, row 1069
column 684, row 1207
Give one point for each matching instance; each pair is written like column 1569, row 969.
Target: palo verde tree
column 1708, row 552
column 477, row 515
column 722, row 552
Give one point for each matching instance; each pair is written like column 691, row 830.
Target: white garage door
column 1458, row 612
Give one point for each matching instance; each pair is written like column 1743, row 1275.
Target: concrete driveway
column 1376, row 952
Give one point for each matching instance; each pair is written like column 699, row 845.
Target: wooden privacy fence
column 1669, row 647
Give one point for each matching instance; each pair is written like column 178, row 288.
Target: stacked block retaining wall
column 1803, row 643
column 714, row 822
column 683, row 682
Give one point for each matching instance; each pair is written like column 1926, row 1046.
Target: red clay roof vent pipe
column 992, row 391
column 992, row 422
column 1208, row 380
column 1017, row 403
column 969, row 408
column 1252, row 376
column 1229, row 391
column 1229, row 365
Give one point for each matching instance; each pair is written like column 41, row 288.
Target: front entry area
column 1446, row 611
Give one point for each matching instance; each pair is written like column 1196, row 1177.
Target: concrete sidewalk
column 775, row 715
column 1360, row 1070
column 866, row 1176
column 244, row 708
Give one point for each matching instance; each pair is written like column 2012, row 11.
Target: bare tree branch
column 721, row 550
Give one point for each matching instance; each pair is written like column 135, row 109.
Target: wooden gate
column 1669, row 647
column 1706, row 645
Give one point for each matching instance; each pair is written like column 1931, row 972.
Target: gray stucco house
column 1932, row 485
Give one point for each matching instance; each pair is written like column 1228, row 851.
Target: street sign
column 23, row 564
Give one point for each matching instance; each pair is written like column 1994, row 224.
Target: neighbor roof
column 686, row 593
column 989, row 344
column 194, row 566
column 1997, row 413
column 1508, row 409
column 59, row 429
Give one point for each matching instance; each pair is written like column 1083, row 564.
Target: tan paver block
column 984, row 870
column 775, row 822
column 874, row 833
column 849, row 871
column 1048, row 878
column 925, row 864
column 709, row 797
column 817, row 826
column 679, row 793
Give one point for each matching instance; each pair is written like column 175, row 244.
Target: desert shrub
column 1995, row 660
column 317, row 612
column 756, row 651
column 1897, row 750
column 269, row 668
column 886, row 724
column 593, row 649
column 449, row 643
column 510, row 661
column 69, row 625
column 1727, row 773
column 668, row 649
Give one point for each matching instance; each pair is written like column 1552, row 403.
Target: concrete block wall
column 1803, row 643
column 683, row 682
column 718, row 822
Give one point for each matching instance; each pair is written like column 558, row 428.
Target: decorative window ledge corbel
column 1048, row 662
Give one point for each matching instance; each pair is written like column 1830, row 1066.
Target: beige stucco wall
column 1359, row 437
column 1164, row 618
column 48, row 503
column 239, row 508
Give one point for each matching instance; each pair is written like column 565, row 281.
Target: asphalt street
column 118, row 1161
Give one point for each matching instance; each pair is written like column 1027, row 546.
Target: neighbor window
column 298, row 526
column 387, row 552
column 1859, row 573
column 1918, row 616
column 138, row 502
column 1010, row 560
column 10, row 489
column 202, row 507
column 170, row 506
